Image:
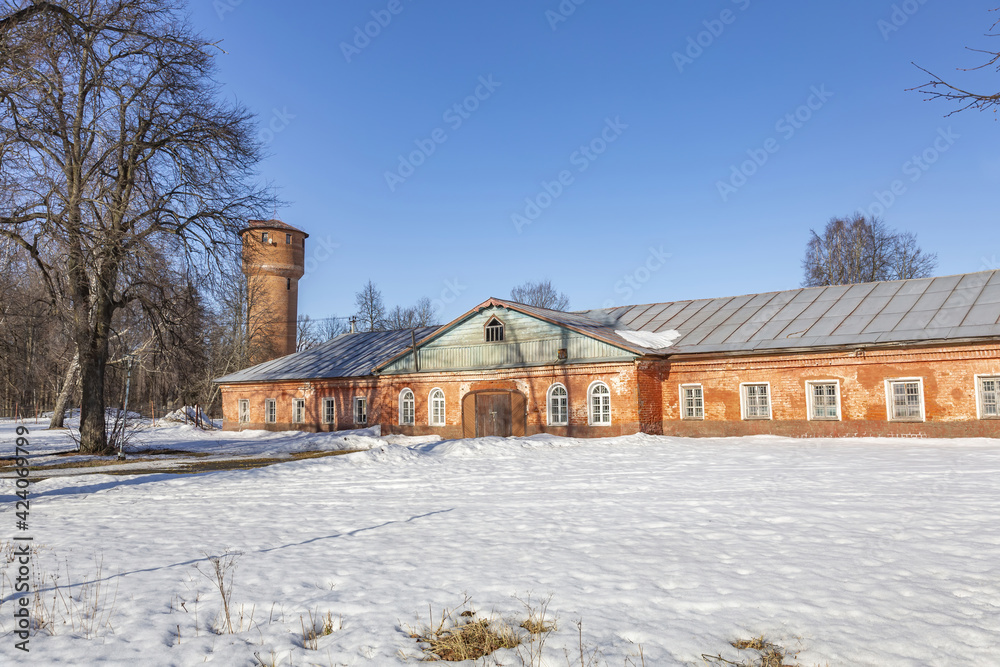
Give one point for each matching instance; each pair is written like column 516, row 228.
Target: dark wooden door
column 493, row 416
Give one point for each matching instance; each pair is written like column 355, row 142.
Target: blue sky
column 621, row 144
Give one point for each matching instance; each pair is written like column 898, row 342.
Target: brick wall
column 948, row 375
column 383, row 402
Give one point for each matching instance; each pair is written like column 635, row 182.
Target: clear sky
column 618, row 121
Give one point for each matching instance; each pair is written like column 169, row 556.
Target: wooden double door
column 493, row 413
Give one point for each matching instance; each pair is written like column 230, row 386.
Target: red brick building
column 914, row 357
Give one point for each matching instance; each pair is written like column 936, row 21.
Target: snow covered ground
column 852, row 552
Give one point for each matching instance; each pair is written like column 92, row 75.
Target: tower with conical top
column 273, row 262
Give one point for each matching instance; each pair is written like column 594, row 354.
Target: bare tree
column 306, row 335
column 331, row 327
column 371, row 308
column 412, row 317
column 117, row 147
column 541, row 295
column 859, row 250
column 938, row 88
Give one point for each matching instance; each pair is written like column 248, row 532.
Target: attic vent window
column 494, row 330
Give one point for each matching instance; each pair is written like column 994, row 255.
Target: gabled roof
column 347, row 355
column 960, row 307
column 271, row 224
column 593, row 327
column 949, row 308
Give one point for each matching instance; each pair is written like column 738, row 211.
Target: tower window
column 288, row 284
column 494, row 330
column 263, row 237
column 288, row 239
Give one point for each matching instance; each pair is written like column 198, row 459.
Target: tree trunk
column 93, row 429
column 69, row 384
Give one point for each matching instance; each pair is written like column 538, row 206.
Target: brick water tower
column 273, row 262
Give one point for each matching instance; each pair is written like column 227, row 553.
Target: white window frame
column 270, row 411
column 244, row 411
column 402, row 407
column 744, row 401
column 810, row 397
column 431, row 404
column 889, row 405
column 590, row 404
column 329, row 410
column 298, row 411
column 979, row 394
column 363, row 402
column 683, row 401
column 552, row 421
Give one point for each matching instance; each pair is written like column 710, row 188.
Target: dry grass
column 766, row 654
column 326, row 626
column 458, row 637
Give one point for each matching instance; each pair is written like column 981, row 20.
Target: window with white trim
column 298, row 410
column 823, row 400
column 989, row 397
column 599, row 400
column 270, row 410
column 756, row 399
column 244, row 411
column 558, row 405
column 360, row 410
column 494, row 331
column 406, row 408
column 329, row 411
column 692, row 402
column 906, row 400
column 436, row 408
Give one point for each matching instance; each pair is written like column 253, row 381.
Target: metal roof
column 924, row 309
column 948, row 308
column 347, row 355
column 271, row 224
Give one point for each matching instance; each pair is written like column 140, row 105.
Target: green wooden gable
column 527, row 341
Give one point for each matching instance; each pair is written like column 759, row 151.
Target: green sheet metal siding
column 527, row 342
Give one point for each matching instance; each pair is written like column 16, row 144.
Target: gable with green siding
column 528, row 341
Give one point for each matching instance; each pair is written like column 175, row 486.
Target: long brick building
column 913, row 357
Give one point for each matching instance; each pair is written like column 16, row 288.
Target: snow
column 852, row 551
column 650, row 339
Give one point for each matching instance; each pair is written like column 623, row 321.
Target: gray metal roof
column 925, row 309
column 347, row 355
column 921, row 310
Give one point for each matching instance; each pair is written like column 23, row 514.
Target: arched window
column 600, row 404
column 494, row 331
column 406, row 405
column 558, row 405
column 436, row 408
